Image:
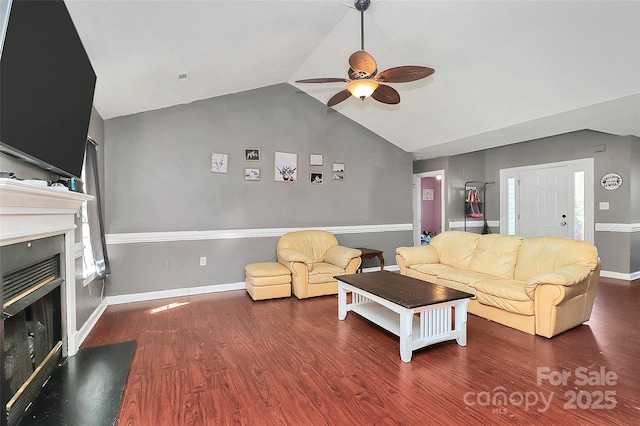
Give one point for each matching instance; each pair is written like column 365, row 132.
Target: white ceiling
column 506, row 71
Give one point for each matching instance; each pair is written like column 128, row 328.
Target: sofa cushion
column 496, row 255
column 544, row 254
column 433, row 269
column 455, row 248
column 417, row 255
column 323, row 273
column 509, row 295
column 462, row 276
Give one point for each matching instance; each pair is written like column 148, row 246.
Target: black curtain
column 94, row 212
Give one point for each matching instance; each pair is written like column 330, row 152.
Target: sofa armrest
column 565, row 276
column 417, row 255
column 291, row 256
column 341, row 256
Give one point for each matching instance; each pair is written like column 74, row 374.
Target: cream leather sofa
column 314, row 257
column 540, row 285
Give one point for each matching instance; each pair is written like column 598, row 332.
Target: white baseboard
column 179, row 292
column 377, row 268
column 620, row 276
column 88, row 325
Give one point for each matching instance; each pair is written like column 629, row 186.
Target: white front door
column 554, row 199
column 546, row 202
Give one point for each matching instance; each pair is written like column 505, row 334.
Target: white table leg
column 342, row 302
column 461, row 322
column 406, row 336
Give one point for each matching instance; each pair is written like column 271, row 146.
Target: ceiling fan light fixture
column 364, row 79
column 362, row 89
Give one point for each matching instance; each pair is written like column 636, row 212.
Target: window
column 511, row 206
column 95, row 259
column 578, row 205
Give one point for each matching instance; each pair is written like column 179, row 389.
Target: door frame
column 417, row 201
column 585, row 165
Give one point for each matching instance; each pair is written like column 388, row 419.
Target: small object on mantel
column 368, row 253
column 59, row 186
column 37, row 182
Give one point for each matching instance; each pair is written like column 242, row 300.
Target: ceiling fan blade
column 324, row 80
column 404, row 74
column 362, row 64
column 338, row 97
column 386, row 95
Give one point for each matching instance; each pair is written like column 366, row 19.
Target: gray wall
column 618, row 250
column 158, row 179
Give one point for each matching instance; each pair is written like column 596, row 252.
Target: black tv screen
column 46, row 88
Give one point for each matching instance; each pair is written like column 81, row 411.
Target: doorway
column 554, row 199
column 428, row 204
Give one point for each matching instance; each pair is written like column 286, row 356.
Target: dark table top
column 402, row 290
column 367, row 251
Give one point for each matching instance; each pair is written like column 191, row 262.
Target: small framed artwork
column 427, row 194
column 316, row 178
column 251, row 173
column 219, row 163
column 285, row 167
column 337, row 171
column 315, row 159
column 251, row 154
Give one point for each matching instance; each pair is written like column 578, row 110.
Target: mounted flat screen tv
column 46, row 88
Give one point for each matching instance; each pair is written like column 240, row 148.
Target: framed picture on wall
column 285, row 167
column 219, row 163
column 251, row 154
column 315, row 159
column 316, row 177
column 337, row 171
column 251, row 173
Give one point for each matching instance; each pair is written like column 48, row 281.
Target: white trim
column 90, row 323
column 377, row 268
column 417, row 202
column 620, row 276
column 179, row 292
column 224, row 234
column 618, row 227
column 474, row 224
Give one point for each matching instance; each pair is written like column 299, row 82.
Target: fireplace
column 37, row 274
column 31, row 277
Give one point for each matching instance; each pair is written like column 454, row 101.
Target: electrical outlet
column 165, row 264
column 203, row 261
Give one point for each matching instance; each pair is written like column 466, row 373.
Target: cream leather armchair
column 314, row 258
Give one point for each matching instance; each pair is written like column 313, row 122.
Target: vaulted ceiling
column 506, row 71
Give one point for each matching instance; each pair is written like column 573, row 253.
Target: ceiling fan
column 365, row 80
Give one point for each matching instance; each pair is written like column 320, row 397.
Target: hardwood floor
column 222, row 359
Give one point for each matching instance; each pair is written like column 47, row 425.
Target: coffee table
column 392, row 301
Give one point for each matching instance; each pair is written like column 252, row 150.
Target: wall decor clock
column 611, row 181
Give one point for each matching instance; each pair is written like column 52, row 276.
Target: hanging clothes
column 473, row 200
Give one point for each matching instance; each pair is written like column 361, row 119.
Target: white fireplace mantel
column 29, row 211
